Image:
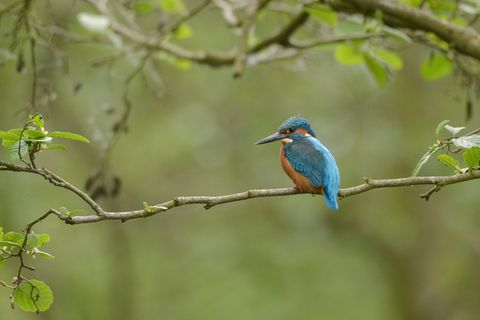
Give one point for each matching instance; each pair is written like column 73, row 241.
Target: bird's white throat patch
column 286, row 140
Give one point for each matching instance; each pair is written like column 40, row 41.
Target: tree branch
column 210, row 58
column 211, row 201
column 283, row 36
column 247, row 27
column 464, row 39
column 56, row 181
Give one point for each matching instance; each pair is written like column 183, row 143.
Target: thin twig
column 228, row 12
column 311, row 43
column 282, row 37
column 55, row 180
column 184, row 18
column 242, row 48
column 31, row 37
column 23, row 248
column 119, row 128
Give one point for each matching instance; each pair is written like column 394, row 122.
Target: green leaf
column 467, row 142
column 377, row 70
column 143, row 7
column 37, row 240
column 9, row 244
column 38, row 120
column 9, row 136
column 32, row 240
column 472, row 157
column 56, row 146
column 450, row 162
column 43, row 254
column 348, row 55
column 425, row 158
column 348, row 28
column 181, row 64
column 13, row 150
column 173, row 6
column 146, row 205
column 436, row 67
column 460, row 21
column 323, row 13
column 183, row 31
column 390, row 58
column 16, row 131
column 13, row 237
column 32, row 134
column 75, row 212
column 33, row 296
column 396, row 33
column 440, row 126
column 413, row 3
column 43, row 239
column 68, row 135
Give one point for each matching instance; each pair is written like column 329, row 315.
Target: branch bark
column 464, row 39
column 210, row 201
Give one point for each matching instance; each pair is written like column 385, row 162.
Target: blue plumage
column 295, row 123
column 307, row 161
column 313, row 160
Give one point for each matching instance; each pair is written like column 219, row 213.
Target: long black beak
column 273, row 137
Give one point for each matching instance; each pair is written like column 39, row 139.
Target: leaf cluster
column 468, row 145
column 30, row 295
column 377, row 56
column 33, row 138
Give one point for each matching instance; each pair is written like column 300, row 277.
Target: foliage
column 469, row 144
column 33, row 296
column 33, row 138
column 150, row 33
column 29, row 294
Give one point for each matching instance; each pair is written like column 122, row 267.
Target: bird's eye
column 290, row 130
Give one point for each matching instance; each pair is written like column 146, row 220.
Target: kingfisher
column 306, row 160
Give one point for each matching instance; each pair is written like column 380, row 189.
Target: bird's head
column 292, row 129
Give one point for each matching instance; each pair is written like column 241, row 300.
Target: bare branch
column 311, row 43
column 95, row 183
column 55, row 180
column 283, row 36
column 192, row 13
column 247, row 27
column 202, row 57
column 211, row 201
column 228, row 12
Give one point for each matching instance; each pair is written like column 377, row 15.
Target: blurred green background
column 387, row 254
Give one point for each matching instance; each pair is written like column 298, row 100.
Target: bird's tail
column 331, row 199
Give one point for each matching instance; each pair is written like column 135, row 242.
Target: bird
column 306, row 160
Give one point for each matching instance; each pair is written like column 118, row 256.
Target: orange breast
column 301, row 182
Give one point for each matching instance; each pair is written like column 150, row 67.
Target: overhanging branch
column 463, row 39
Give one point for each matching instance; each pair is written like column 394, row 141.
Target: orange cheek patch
column 301, row 131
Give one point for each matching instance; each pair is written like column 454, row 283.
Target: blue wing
column 313, row 160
